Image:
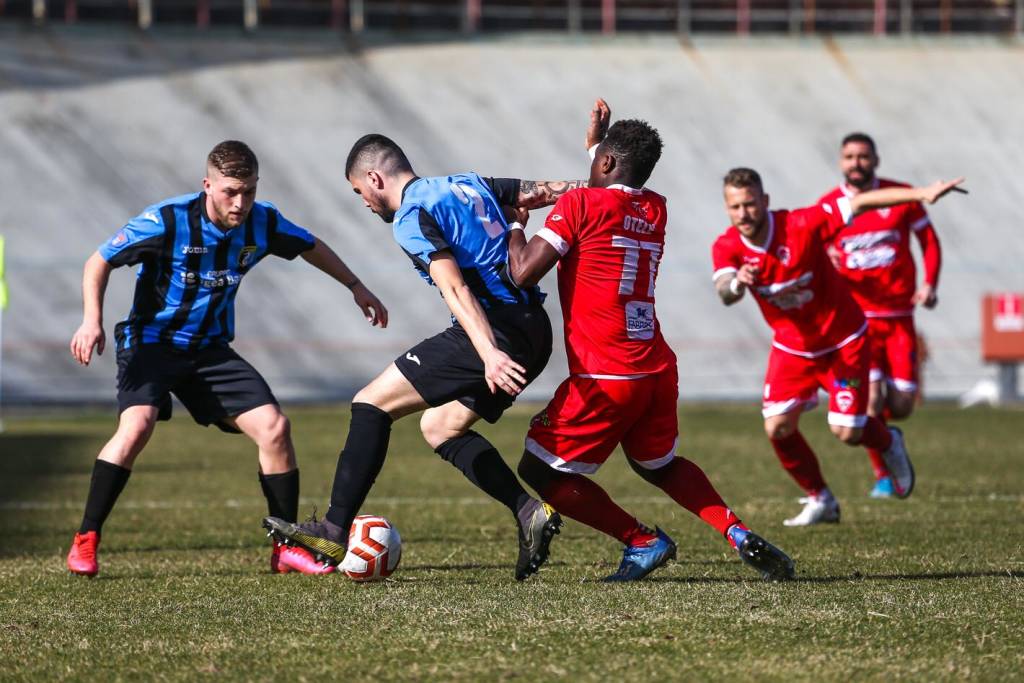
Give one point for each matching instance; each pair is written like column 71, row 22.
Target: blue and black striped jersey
column 191, row 269
column 462, row 213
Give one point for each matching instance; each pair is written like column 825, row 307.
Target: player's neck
column 760, row 236
column 398, row 183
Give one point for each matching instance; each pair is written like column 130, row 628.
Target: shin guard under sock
column 359, row 463
column 108, row 481
column 479, row 461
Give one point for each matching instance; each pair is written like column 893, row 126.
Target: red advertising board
column 1002, row 327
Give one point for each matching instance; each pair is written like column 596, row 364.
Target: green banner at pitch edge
column 3, row 282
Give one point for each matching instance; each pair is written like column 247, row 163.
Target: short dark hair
column 636, row 145
column 862, row 138
column 233, row 159
column 379, row 151
column 743, row 177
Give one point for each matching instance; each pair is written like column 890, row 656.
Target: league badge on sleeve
column 120, row 238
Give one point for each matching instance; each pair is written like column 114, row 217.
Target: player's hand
column 516, row 214
column 600, row 117
column 747, row 274
column 501, row 372
column 926, row 296
column 371, row 306
column 932, row 193
column 90, row 335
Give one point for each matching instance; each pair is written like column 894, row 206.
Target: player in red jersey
column 608, row 240
column 872, row 253
column 819, row 329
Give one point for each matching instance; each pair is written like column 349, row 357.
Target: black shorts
column 446, row 367
column 212, row 383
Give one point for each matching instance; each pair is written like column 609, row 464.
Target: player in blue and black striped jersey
column 193, row 252
column 453, row 229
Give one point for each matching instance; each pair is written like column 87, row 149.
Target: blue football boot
column 883, row 488
column 640, row 560
column 760, row 555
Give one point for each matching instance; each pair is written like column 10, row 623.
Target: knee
column 848, row 435
column 135, row 431
column 275, row 433
column 778, row 429
column 435, row 431
column 901, row 405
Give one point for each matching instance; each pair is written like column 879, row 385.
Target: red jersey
column 611, row 241
column 872, row 253
column 801, row 296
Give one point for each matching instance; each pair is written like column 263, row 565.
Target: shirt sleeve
column 931, row 253
column 420, row 235
column 142, row 239
column 506, row 190
column 723, row 259
column 287, row 240
column 827, row 218
column 561, row 229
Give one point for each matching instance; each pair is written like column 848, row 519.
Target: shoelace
column 86, row 550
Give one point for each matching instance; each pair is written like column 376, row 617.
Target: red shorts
column 792, row 383
column 588, row 418
column 894, row 351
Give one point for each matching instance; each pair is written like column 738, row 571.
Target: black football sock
column 282, row 494
column 359, row 464
column 476, row 458
column 108, row 481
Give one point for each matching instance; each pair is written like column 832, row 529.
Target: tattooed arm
column 534, row 194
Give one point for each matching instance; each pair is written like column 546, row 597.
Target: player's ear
column 376, row 180
column 608, row 164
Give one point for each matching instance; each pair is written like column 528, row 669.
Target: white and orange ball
column 374, row 549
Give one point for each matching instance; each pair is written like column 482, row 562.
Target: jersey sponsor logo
column 870, row 249
column 637, row 225
column 844, row 400
column 790, row 294
column 640, row 320
column 194, row 250
column 414, row 359
column 246, row 256
column 119, row 239
column 783, row 254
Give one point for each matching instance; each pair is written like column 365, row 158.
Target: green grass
column 927, row 588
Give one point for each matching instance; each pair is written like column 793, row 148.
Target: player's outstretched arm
column 529, row 261
column 90, row 333
column 323, row 257
column 534, row 194
column 500, row 371
column 890, row 196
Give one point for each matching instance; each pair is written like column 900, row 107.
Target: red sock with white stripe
column 579, row 498
column 799, row 461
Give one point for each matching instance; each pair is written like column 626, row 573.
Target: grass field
column 928, row 588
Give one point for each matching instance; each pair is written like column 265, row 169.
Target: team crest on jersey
column 555, row 217
column 246, row 256
column 884, row 213
column 844, row 400
column 119, row 239
column 541, row 419
column 783, row 254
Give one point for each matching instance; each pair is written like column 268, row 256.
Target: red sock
column 577, row 497
column 799, row 460
column 687, row 484
column 876, row 435
column 877, row 462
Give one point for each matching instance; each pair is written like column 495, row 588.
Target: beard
column 862, row 181
column 386, row 215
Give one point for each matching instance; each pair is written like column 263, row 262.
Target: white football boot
column 820, row 509
column 898, row 461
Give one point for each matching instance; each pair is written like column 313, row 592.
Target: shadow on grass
column 855, row 577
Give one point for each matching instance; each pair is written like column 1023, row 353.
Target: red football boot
column 82, row 556
column 296, row 559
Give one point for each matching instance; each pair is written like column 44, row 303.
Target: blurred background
column 107, row 106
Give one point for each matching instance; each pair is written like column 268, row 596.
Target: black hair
column 379, row 151
column 862, row 138
column 636, row 146
column 233, row 159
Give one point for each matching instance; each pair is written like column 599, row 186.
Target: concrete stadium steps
column 96, row 125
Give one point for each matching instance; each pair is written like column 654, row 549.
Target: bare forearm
column 888, row 196
column 323, row 258
column 516, row 254
column 534, row 194
column 728, row 292
column 94, row 287
column 467, row 310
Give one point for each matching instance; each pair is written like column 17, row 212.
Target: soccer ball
column 374, row 549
